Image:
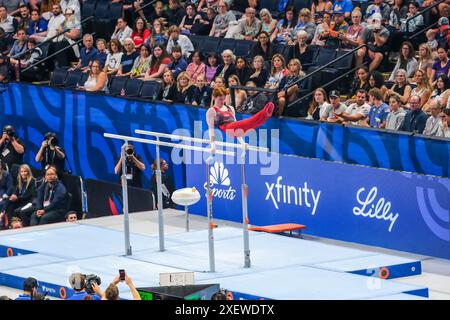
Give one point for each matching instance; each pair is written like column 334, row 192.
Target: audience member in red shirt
column 140, row 33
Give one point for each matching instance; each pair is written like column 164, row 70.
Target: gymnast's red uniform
column 225, row 120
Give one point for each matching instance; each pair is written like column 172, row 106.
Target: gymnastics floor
column 282, row 267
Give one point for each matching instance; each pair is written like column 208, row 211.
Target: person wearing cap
column 378, row 111
column 78, row 283
column 337, row 32
column 345, row 6
column 375, row 36
column 440, row 66
column 443, row 32
column 30, row 288
column 11, row 147
column 331, row 111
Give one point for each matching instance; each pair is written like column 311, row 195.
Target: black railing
column 145, row 6
column 420, row 13
column 316, row 71
column 423, row 30
column 54, row 54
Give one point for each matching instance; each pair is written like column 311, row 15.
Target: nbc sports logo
column 220, row 182
column 219, row 174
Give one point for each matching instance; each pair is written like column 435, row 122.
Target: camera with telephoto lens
column 129, row 150
column 90, row 280
column 52, row 141
column 9, row 130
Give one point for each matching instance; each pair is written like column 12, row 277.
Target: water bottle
column 122, row 92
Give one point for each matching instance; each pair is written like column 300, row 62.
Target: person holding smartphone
column 112, row 292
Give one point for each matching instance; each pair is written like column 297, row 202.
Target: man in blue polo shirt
column 88, row 53
column 379, row 110
column 78, row 283
column 343, row 5
column 30, row 287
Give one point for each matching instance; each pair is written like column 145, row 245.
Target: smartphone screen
column 122, row 274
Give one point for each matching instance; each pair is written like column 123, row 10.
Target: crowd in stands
column 156, row 44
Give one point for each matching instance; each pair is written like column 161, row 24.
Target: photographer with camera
column 85, row 285
column 11, row 148
column 50, row 154
column 135, row 166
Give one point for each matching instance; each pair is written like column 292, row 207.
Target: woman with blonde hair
column 23, row 195
column 425, row 61
column 423, row 88
column 317, row 104
column 288, row 88
column 240, row 95
column 185, row 89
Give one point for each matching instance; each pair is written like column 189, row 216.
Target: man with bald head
column 415, row 119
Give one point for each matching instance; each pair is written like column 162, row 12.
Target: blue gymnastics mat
column 280, row 265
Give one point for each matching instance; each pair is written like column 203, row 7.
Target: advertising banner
column 378, row 207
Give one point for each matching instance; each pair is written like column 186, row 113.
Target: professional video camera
column 90, row 280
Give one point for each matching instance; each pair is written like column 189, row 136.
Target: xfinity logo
column 220, row 182
column 381, row 210
column 298, row 196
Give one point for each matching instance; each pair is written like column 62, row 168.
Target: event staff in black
column 11, row 148
column 167, row 184
column 135, row 166
column 50, row 154
column 21, row 201
column 51, row 202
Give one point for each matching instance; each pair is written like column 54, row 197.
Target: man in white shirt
column 357, row 111
column 122, row 31
column 177, row 39
column 334, row 109
column 55, row 22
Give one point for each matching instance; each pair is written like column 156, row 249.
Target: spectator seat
column 58, row 78
column 150, row 90
column 117, row 84
column 133, row 88
column 73, row 79
column 243, row 48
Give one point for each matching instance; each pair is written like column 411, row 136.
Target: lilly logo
column 220, row 182
column 380, row 210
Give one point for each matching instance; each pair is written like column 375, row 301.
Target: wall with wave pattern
column 81, row 118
